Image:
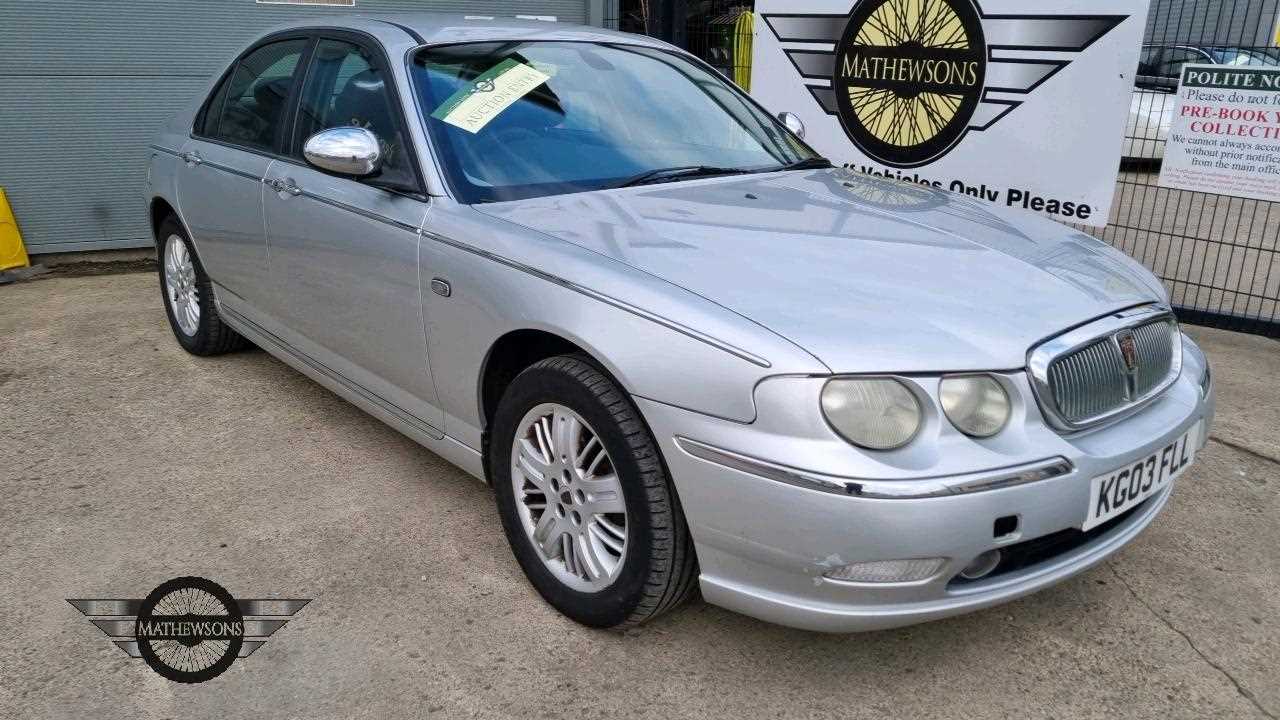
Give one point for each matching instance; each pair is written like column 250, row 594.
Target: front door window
column 345, row 88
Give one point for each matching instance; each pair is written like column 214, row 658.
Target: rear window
column 248, row 108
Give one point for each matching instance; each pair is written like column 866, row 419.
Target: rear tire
column 188, row 295
column 652, row 568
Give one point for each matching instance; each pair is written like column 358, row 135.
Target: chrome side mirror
column 346, row 151
column 793, row 123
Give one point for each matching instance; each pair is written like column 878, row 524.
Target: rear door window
column 250, row 106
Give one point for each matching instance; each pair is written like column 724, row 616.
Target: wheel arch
column 161, row 208
column 515, row 351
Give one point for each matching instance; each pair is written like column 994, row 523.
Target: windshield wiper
column 678, row 173
column 814, row 163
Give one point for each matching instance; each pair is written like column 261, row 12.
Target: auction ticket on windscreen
column 492, row 92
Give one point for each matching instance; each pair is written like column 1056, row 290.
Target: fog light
column 889, row 571
column 981, row 566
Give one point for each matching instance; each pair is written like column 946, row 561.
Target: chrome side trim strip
column 358, row 211
column 906, row 489
column 206, row 163
column 403, row 415
column 230, row 170
column 595, row 295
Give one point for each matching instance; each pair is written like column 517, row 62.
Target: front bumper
column 765, row 545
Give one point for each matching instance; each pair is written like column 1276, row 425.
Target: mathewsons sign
column 982, row 97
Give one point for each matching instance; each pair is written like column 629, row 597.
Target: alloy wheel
column 180, row 285
column 569, row 498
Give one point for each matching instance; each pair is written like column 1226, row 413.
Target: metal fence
column 1217, row 254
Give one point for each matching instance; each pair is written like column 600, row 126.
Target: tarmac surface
column 125, row 462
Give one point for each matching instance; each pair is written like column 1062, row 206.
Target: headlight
column 975, row 404
column 875, row 413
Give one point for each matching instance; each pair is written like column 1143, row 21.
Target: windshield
column 517, row 120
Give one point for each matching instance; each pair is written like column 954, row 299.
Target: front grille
column 1155, row 354
column 1096, row 380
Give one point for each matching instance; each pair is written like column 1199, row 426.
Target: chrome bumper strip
column 905, row 489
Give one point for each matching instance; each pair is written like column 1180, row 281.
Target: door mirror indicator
column 349, row 151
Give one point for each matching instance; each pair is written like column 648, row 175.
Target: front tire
column 188, row 296
column 584, row 497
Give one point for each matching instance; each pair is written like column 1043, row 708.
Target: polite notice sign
column 1015, row 103
column 1225, row 134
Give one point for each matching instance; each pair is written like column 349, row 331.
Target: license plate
column 1119, row 490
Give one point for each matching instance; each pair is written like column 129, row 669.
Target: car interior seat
column 364, row 102
column 269, row 95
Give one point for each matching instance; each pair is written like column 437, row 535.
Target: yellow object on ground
column 743, row 34
column 12, row 252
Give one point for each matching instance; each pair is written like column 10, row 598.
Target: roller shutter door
column 87, row 82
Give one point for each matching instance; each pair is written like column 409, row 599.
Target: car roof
column 444, row 28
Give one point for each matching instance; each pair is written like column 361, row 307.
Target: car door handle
column 193, row 158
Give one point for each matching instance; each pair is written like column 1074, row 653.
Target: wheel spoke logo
column 909, row 79
column 189, row 629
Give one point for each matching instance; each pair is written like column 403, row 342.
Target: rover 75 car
column 685, row 351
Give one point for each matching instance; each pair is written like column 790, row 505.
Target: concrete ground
column 125, row 462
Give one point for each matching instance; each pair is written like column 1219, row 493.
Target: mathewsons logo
column 189, row 629
column 908, row 77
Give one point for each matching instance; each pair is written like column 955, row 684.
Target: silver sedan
column 683, row 349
